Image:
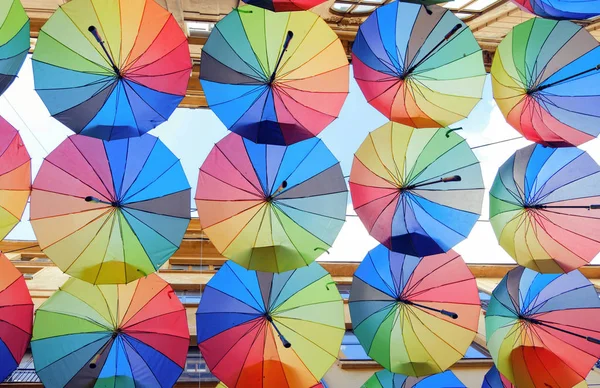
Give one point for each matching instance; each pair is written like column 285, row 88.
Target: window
column 485, row 299
column 186, row 267
column 476, row 351
column 196, row 369
column 356, row 7
column 189, row 296
column 25, row 373
column 351, row 349
column 344, row 290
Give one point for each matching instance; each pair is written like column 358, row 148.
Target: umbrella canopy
column 285, row 5
column 386, row 379
column 545, row 208
column 494, row 379
column 15, row 177
column 110, row 212
column 538, row 320
column 561, row 9
column 418, row 66
column 16, row 317
column 414, row 315
column 258, row 329
column 417, row 191
column 221, row 385
column 14, row 41
column 133, row 335
column 274, row 78
column 111, row 69
column 271, row 208
column 543, row 76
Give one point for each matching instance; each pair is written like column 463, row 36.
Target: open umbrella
column 111, row 69
column 417, row 191
column 285, row 5
column 16, row 317
column 110, row 212
column 543, row 330
column 561, row 9
column 418, row 66
column 545, row 208
column 14, row 41
column 221, row 385
column 494, row 379
column 15, row 177
column 274, row 78
column 386, row 379
column 544, row 77
column 258, row 329
column 414, row 315
column 271, row 208
column 133, row 335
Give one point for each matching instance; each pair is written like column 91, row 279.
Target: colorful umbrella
column 221, row 385
column 544, row 77
column 15, row 177
column 561, row 9
column 274, row 78
column 258, row 329
column 543, row 330
column 418, row 66
column 285, row 5
column 271, row 208
column 386, row 379
column 415, row 316
column 16, row 317
column 110, row 212
column 494, row 379
column 133, row 335
column 111, row 69
column 417, row 191
column 14, row 41
column 545, row 208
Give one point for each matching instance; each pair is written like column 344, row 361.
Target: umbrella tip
column 89, row 198
column 93, row 365
column 91, row 28
column 429, row 12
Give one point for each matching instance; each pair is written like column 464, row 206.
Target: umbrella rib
column 267, row 210
column 304, row 158
column 290, row 240
column 108, row 190
column 161, row 334
column 125, row 210
column 259, row 191
column 275, row 311
column 71, row 175
column 391, row 306
column 124, row 325
column 231, row 185
column 397, row 180
column 127, row 82
column 105, row 80
column 81, row 317
column 157, row 333
column 408, row 320
column 303, row 228
column 421, row 73
column 258, row 332
column 262, row 204
column 104, row 338
column 258, row 303
column 311, row 341
column 128, row 195
column 281, row 91
column 113, row 219
column 129, row 63
column 15, row 326
column 125, row 206
column 255, row 326
column 286, row 74
column 417, row 283
column 280, row 54
column 113, row 319
column 306, row 320
column 281, row 202
column 133, row 69
column 264, row 71
column 126, row 339
column 434, row 218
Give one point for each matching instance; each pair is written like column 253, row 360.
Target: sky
column 191, row 133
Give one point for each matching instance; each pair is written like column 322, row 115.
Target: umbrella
column 386, row 379
column 417, row 191
column 414, row 315
column 543, row 76
column 111, row 69
column 285, row 5
column 494, row 379
column 16, row 317
column 545, row 208
column 110, row 212
column 542, row 329
column 259, row 329
column 274, row 78
column 14, row 41
column 418, row 66
column 561, row 9
column 271, row 208
column 15, row 177
column 221, row 385
column 133, row 335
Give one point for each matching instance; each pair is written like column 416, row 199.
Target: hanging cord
column 25, row 124
column 202, row 291
column 21, row 249
column 497, row 142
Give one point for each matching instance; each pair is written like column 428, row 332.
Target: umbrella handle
column 94, row 31
column 449, row 314
column 593, row 340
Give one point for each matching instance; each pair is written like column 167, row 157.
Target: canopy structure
column 14, row 41
column 387, row 379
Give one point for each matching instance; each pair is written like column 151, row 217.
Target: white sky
column 191, row 133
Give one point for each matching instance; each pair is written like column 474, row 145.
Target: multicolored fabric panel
column 271, row 208
column 15, row 177
column 543, row 208
column 14, row 41
column 544, row 78
column 265, row 93
column 77, row 82
column 417, row 191
column 285, row 5
column 16, row 317
column 133, row 335
column 414, row 315
column 110, row 212
column 494, row 379
column 561, row 9
column 386, row 379
column 242, row 311
column 523, row 349
column 418, row 66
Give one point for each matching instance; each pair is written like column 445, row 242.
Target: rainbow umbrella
column 494, row 379
column 417, row 191
column 16, row 317
column 386, row 379
column 111, row 69
column 15, row 177
column 320, row 385
column 561, row 9
column 414, row 315
column 274, row 78
column 133, row 335
column 285, row 5
column 418, row 66
column 110, row 212
column 14, row 41
column 544, row 77
column 542, row 330
column 271, row 208
column 259, row 329
column 545, row 208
